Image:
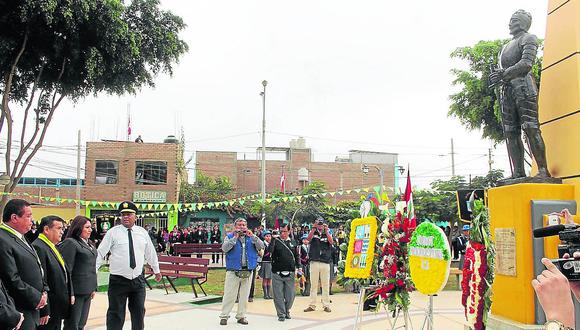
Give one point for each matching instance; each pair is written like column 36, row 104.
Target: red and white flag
column 283, row 183
column 408, row 198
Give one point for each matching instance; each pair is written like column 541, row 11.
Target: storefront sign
column 149, row 196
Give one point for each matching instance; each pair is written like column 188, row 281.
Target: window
column 106, row 172
column 150, row 173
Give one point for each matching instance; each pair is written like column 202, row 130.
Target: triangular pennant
column 299, row 198
column 348, row 192
column 332, row 193
column 366, row 189
column 241, row 202
column 200, row 206
column 291, row 198
column 357, row 190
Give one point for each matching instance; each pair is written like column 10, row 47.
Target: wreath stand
column 393, row 324
column 428, row 321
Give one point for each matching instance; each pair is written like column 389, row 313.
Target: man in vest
column 241, row 248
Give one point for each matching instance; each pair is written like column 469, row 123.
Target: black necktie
column 132, row 262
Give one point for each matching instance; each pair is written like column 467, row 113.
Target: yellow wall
column 509, row 207
column 65, row 213
column 560, row 91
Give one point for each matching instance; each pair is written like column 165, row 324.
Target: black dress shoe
column 281, row 319
column 288, row 316
column 243, row 321
column 224, row 322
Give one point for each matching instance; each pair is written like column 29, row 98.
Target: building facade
column 361, row 169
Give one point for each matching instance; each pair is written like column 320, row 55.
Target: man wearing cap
column 130, row 246
column 320, row 256
column 462, row 244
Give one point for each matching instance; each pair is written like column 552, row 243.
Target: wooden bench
column 458, row 273
column 172, row 268
column 190, row 249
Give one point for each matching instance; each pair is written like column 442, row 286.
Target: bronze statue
column 519, row 96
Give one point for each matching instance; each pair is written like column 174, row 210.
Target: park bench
column 458, row 273
column 172, row 268
column 190, row 249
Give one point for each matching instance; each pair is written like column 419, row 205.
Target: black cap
column 127, row 206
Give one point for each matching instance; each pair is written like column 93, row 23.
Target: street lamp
column 365, row 170
column 263, row 94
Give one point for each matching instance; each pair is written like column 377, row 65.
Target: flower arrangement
column 392, row 291
column 363, row 231
column 478, row 270
column 429, row 258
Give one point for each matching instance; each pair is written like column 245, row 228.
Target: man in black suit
column 60, row 294
column 20, row 267
column 10, row 318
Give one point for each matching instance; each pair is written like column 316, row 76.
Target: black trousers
column 31, row 319
column 53, row 324
column 121, row 290
column 79, row 313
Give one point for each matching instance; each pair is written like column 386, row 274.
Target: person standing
column 215, row 238
column 20, row 267
column 130, row 246
column 462, row 241
column 285, row 260
column 80, row 256
column 304, row 250
column 266, row 266
column 10, row 318
column 320, row 257
column 241, row 248
column 60, row 294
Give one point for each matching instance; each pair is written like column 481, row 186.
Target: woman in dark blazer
column 80, row 257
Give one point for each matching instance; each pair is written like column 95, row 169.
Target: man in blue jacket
column 241, row 248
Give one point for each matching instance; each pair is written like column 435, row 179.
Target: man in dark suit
column 10, row 318
column 20, row 267
column 60, row 294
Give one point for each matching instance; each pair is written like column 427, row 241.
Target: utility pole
column 452, row 159
column 489, row 159
column 264, row 83
column 78, row 194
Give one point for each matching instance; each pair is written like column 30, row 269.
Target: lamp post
column 263, row 94
column 401, row 170
column 365, row 169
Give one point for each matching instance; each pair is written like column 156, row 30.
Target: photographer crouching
column 241, row 248
column 553, row 288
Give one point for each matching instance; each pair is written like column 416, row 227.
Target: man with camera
column 284, row 263
column 241, row 247
column 320, row 256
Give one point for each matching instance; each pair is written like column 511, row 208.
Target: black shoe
column 281, row 319
column 243, row 321
column 288, row 316
column 224, row 322
column 251, row 299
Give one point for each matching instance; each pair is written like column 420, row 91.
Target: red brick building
column 300, row 169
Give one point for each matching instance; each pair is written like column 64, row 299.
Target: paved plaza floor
column 175, row 311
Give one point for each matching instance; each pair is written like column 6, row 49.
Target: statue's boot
column 538, row 149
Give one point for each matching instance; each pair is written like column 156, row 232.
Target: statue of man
column 519, row 95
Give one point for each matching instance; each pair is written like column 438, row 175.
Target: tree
column 51, row 50
column 476, row 105
column 489, row 180
column 206, row 189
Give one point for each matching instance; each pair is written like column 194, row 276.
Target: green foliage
column 487, row 181
column 85, row 47
column 206, row 189
column 476, row 105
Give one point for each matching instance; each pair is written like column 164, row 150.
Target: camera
column 570, row 237
column 241, row 232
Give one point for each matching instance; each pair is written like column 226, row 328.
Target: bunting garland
column 167, row 207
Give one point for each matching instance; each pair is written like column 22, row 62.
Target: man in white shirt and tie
column 130, row 246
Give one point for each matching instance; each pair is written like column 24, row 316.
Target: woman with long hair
column 80, row 256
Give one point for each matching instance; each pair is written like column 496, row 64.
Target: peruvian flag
column 408, row 198
column 283, row 182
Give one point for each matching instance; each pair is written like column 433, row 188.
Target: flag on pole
column 283, row 182
column 128, row 123
column 408, row 198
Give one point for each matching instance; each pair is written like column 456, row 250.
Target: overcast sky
column 371, row 75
